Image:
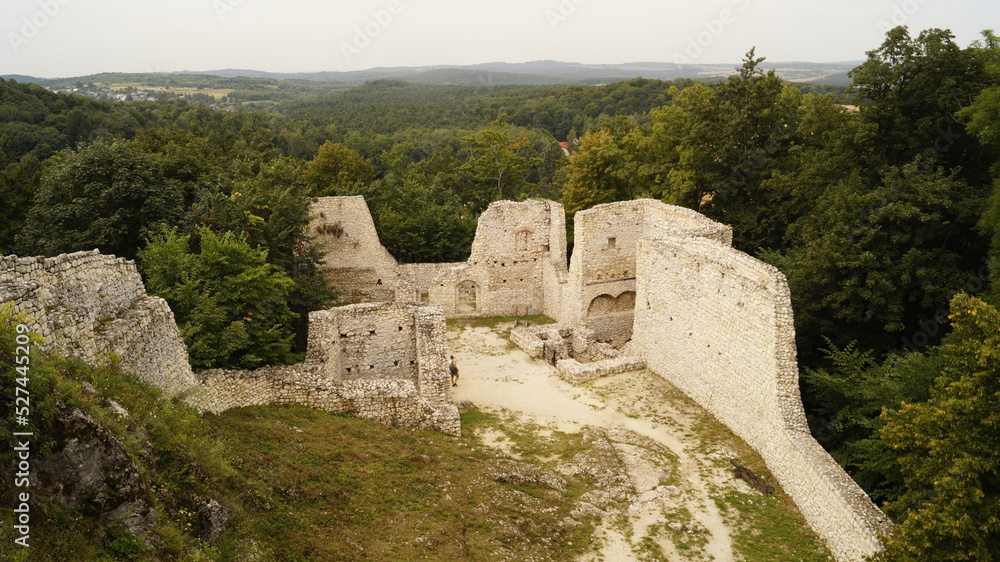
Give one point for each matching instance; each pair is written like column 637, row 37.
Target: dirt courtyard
column 667, row 491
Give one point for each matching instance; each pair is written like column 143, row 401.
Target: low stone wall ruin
column 394, row 402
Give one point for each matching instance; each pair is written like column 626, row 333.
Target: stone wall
column 718, row 324
column 88, row 305
column 356, row 262
column 381, row 361
column 600, row 292
column 517, row 263
column 513, row 243
column 425, row 279
column 385, row 362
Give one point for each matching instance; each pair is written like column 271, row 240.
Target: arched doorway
column 466, row 295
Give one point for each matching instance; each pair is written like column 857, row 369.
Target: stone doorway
column 466, row 297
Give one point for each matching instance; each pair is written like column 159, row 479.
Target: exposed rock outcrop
column 90, row 469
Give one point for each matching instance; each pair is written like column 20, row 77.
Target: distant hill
column 500, row 73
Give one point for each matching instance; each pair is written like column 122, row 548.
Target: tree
column 104, row 196
column 230, row 304
column 712, row 150
column 500, row 160
column 948, row 448
column 981, row 118
column 603, row 169
column 867, row 262
column 417, row 210
column 265, row 204
column 845, row 400
column 18, row 185
column 911, row 89
column 334, row 169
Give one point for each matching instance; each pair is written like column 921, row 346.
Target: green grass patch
column 299, row 484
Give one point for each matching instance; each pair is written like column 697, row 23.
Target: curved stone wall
column 718, row 324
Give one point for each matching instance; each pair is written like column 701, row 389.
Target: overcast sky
column 59, row 38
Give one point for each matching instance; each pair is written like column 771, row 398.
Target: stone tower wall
column 356, row 262
column 718, row 324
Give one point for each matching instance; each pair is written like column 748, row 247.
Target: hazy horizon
column 65, row 38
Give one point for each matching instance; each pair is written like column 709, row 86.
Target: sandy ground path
column 495, row 377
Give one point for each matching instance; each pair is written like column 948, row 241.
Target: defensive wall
column 657, row 285
column 718, row 324
column 382, row 361
column 90, row 305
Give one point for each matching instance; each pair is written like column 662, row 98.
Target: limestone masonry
column 649, row 285
column 382, row 361
column 90, row 305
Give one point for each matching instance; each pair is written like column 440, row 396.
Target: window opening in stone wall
column 466, row 296
column 611, row 243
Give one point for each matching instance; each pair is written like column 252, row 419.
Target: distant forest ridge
column 495, row 73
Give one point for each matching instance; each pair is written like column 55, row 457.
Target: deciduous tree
column 334, row 169
column 104, row 196
column 230, row 304
column 948, row 448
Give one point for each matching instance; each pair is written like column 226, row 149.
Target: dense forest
column 880, row 203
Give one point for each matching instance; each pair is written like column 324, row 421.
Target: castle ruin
column 649, row 285
column 381, row 361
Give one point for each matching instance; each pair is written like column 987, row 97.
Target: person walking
column 453, row 367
